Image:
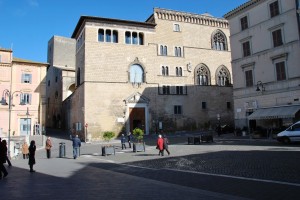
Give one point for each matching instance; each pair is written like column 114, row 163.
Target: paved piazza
column 228, row 168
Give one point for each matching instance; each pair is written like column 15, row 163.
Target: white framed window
column 176, row 28
column 26, row 98
column 178, row 71
column 165, row 71
column 26, row 78
column 244, row 23
column 274, row 8
column 178, row 51
column 277, row 35
column 163, row 50
column 248, row 70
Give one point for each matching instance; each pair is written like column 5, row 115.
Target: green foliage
column 138, row 134
column 108, row 135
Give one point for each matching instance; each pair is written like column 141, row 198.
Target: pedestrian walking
column 76, row 146
column 48, row 147
column 166, row 144
column 31, row 161
column 3, row 156
column 129, row 139
column 6, row 156
column 123, row 140
column 25, row 150
column 160, row 145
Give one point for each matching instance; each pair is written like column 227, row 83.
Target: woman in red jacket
column 160, row 145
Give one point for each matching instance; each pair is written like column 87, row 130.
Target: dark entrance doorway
column 137, row 118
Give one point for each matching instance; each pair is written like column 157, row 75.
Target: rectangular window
column 203, row 105
column 177, row 110
column 134, row 38
column 244, row 23
column 249, row 78
column 127, row 37
column 274, row 9
column 0, row 59
column 178, row 51
column 115, row 36
column 101, row 35
column 246, row 49
column 166, row 89
column 179, row 89
column 277, row 38
column 26, row 98
column 228, row 105
column 280, row 71
column 176, row 28
column 26, row 78
column 108, row 35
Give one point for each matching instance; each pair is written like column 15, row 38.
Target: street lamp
column 260, row 84
column 10, row 95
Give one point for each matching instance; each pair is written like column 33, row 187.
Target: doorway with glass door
column 25, row 129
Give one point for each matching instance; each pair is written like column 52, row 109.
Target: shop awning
column 275, row 113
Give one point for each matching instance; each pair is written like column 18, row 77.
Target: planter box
column 108, row 150
column 139, row 147
column 199, row 139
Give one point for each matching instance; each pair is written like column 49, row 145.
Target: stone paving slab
column 190, row 172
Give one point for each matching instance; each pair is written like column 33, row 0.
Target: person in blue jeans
column 76, row 146
column 123, row 140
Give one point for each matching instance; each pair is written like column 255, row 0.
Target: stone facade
column 172, row 72
column 271, row 29
column 60, row 78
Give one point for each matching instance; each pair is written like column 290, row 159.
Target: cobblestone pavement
column 228, row 168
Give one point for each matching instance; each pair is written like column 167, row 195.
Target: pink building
column 21, row 82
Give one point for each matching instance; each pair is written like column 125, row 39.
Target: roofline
column 84, row 19
column 240, row 8
column 20, row 60
column 7, row 50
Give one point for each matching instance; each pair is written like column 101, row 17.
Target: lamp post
column 10, row 95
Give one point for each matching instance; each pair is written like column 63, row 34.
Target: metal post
column 10, row 95
column 27, row 113
column 9, row 121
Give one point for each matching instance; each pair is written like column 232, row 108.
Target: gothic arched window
column 202, row 75
column 222, row 76
column 219, row 41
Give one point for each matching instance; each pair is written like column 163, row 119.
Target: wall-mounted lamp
column 258, row 85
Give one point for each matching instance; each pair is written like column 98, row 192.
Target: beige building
column 171, row 72
column 264, row 36
column 23, row 97
column 60, row 78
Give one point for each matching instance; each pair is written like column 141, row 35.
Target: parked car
column 291, row 134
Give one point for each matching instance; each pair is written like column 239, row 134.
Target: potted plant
column 140, row 144
column 108, row 149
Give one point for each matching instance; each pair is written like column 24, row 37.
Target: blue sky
column 26, row 26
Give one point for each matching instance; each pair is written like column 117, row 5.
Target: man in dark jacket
column 76, row 146
column 3, row 154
